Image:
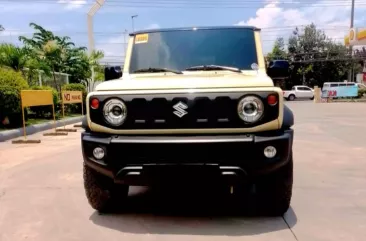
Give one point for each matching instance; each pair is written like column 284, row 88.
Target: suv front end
column 217, row 127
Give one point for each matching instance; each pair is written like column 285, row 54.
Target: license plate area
column 182, row 171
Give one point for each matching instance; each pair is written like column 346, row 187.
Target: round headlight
column 250, row 109
column 115, row 112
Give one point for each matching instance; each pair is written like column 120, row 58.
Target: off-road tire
column 274, row 191
column 102, row 193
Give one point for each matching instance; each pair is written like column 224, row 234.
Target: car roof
column 193, row 28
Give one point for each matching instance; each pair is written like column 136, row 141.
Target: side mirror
column 278, row 69
column 112, row 72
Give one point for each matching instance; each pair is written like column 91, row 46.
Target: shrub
column 46, row 111
column 361, row 92
column 75, row 108
column 11, row 83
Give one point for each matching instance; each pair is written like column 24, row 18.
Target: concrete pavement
column 42, row 196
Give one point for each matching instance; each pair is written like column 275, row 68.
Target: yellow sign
column 36, row 97
column 361, row 35
column 141, row 38
column 356, row 37
column 70, row 97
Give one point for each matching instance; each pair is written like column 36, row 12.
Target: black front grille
column 204, row 110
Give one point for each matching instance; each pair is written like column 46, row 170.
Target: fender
column 288, row 118
column 84, row 124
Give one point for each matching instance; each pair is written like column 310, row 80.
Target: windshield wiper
column 156, row 70
column 214, row 67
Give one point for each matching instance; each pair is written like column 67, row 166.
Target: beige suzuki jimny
column 193, row 105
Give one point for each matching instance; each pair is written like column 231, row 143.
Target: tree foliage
column 315, row 58
column 13, row 56
column 278, row 51
column 59, row 54
column 11, row 83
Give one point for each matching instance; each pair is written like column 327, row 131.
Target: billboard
column 340, row 91
column 356, row 36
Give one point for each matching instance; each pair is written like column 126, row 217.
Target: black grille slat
column 208, row 110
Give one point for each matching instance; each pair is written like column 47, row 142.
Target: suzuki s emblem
column 180, row 109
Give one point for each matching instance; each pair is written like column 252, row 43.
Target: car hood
column 186, row 81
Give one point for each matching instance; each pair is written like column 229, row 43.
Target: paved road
column 42, row 197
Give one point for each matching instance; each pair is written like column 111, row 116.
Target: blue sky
column 276, row 18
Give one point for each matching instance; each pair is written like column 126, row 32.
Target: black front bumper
column 145, row 160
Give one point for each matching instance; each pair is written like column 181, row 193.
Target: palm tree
column 93, row 61
column 13, row 57
column 48, row 48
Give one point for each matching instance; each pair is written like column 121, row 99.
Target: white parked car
column 299, row 92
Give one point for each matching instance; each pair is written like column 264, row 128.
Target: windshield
column 179, row 50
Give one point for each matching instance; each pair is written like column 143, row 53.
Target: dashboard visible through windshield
column 180, row 50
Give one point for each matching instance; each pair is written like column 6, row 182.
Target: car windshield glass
column 182, row 49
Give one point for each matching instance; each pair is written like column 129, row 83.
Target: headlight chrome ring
column 115, row 112
column 250, row 109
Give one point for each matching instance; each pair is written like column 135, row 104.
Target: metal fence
column 39, row 78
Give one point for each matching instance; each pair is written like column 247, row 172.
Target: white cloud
column 41, row 7
column 8, row 32
column 73, row 4
column 153, row 26
column 278, row 20
column 11, row 35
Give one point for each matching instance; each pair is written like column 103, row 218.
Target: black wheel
column 274, row 191
column 312, row 98
column 291, row 97
column 102, row 193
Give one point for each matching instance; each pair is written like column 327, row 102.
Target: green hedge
column 75, row 108
column 11, row 83
column 361, row 92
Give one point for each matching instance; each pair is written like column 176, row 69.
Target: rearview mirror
column 112, row 72
column 278, row 69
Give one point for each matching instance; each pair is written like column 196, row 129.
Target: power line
column 206, row 4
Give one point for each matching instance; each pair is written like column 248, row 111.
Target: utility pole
column 350, row 76
column 133, row 27
column 96, row 6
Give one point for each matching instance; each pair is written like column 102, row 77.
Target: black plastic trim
column 194, row 28
column 288, row 118
column 182, row 139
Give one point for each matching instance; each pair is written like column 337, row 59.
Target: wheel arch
column 288, row 118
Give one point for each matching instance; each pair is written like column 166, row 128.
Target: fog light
column 98, row 153
column 270, row 151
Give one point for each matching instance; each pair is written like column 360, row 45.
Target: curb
column 350, row 101
column 10, row 134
